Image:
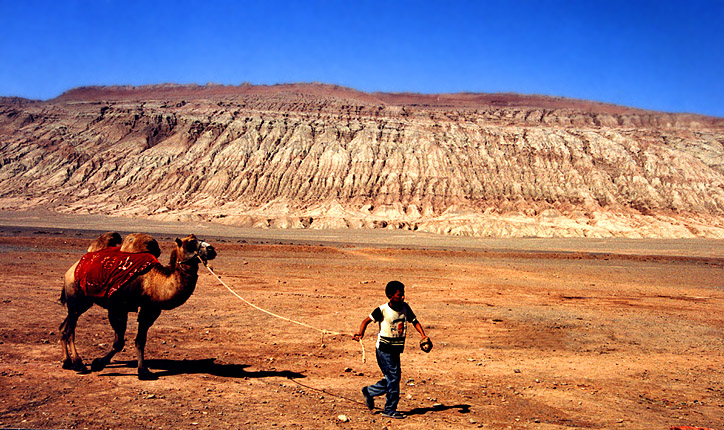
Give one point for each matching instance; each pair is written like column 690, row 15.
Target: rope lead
column 322, row 331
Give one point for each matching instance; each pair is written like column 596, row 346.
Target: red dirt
column 541, row 340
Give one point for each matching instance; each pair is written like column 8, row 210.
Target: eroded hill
column 319, row 156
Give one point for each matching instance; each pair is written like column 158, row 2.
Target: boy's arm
column 419, row 329
column 362, row 328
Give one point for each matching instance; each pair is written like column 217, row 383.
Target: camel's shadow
column 464, row 409
column 165, row 367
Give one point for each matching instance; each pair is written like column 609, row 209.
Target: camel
column 159, row 288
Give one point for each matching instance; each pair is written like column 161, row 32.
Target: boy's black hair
column 393, row 287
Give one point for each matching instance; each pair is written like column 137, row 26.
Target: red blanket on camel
column 102, row 273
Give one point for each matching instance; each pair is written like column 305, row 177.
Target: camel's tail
column 63, row 300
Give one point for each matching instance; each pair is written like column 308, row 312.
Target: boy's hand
column 357, row 336
column 426, row 344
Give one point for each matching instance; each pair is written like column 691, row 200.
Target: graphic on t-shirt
column 397, row 328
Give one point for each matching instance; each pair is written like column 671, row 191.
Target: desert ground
column 528, row 333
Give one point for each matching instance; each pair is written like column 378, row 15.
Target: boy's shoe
column 368, row 399
column 396, row 415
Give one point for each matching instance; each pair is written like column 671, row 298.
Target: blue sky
column 661, row 55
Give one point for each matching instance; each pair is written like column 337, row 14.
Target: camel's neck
column 179, row 283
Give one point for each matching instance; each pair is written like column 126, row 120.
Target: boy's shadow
column 464, row 409
column 165, row 367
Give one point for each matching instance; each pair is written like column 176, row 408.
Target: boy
column 393, row 318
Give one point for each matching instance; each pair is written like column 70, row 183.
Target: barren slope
column 319, row 156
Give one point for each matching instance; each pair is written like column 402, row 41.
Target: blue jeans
column 390, row 366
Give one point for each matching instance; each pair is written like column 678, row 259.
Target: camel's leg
column 64, row 343
column 71, row 358
column 118, row 320
column 76, row 304
column 146, row 317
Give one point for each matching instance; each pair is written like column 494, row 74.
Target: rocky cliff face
column 318, row 156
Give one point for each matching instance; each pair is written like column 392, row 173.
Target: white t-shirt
column 393, row 326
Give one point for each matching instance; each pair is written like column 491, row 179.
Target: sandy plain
column 528, row 333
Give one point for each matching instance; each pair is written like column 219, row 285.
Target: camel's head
column 189, row 248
